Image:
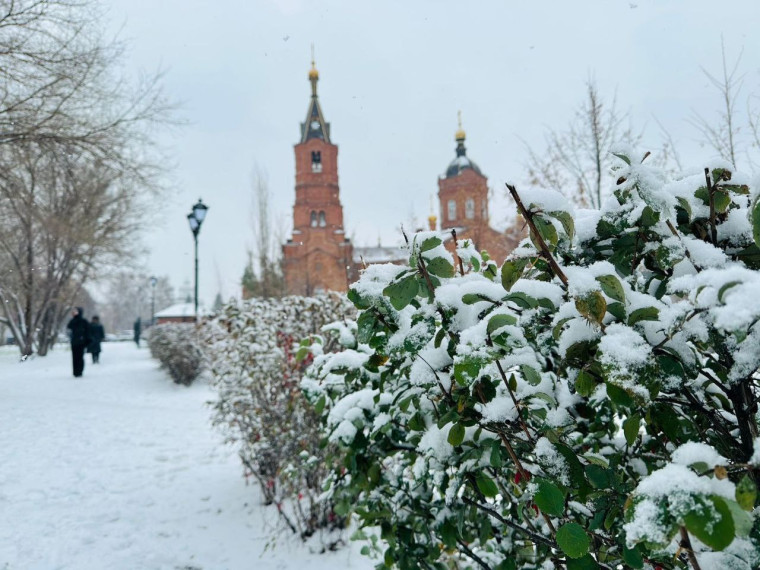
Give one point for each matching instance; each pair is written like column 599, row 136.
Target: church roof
column 315, row 126
column 462, row 162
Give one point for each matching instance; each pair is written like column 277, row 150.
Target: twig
column 535, row 537
column 489, row 342
column 472, row 555
column 686, row 545
column 545, row 253
column 711, row 194
column 525, row 476
column 461, row 265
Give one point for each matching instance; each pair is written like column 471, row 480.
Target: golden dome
column 313, row 73
column 432, row 222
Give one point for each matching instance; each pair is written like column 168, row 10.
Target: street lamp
column 153, row 282
column 195, row 219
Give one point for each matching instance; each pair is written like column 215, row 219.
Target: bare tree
column 724, row 135
column 263, row 276
column 577, row 160
column 77, row 159
column 129, row 295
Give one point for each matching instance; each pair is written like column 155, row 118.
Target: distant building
column 179, row 313
column 319, row 256
column 463, row 199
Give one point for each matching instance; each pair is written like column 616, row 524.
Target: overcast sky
column 393, row 75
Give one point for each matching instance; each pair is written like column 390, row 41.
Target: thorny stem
column 489, row 342
column 535, row 537
column 461, row 265
column 711, row 194
column 472, row 555
column 674, row 231
column 525, row 476
column 686, row 545
column 545, row 253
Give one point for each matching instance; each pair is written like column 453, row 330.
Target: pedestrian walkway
column 120, row 469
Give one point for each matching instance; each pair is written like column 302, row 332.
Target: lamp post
column 153, row 282
column 195, row 219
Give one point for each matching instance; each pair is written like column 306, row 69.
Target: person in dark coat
column 97, row 334
column 138, row 327
column 79, row 333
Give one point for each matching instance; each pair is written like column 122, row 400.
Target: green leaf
column 549, row 498
column 530, row 374
column 448, row 534
column 725, row 288
column 511, row 271
column 486, row 485
column 755, row 217
column 643, row 314
column 585, row 384
column 498, row 321
column 521, row 300
column 746, row 493
column 430, row 243
column 366, row 327
column 717, row 533
column 743, row 521
column 586, row 562
column 456, row 435
column 402, row 292
column 573, row 540
column 622, row 157
column 440, row 267
column 619, row 396
column 466, row 370
column 684, row 203
column 598, row 476
column 612, row 287
column 472, row 298
column 649, row 217
column 319, row 406
column 567, row 222
column 546, row 229
column 633, row 557
column 592, row 306
column 617, row 310
column 631, row 428
column 495, row 458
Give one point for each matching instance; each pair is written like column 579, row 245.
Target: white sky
column 392, row 76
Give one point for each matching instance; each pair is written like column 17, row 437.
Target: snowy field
column 121, row 469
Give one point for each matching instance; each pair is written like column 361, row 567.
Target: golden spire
column 432, row 218
column 313, row 74
column 459, row 135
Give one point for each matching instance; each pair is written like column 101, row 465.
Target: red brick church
column 319, row 256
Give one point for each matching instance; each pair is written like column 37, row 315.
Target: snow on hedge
column 591, row 403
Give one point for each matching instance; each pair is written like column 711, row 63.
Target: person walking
column 97, row 334
column 79, row 334
column 138, row 327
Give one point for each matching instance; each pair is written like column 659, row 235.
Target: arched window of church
column 484, row 210
column 313, row 220
column 469, row 209
column 452, row 210
column 322, row 221
column 316, row 161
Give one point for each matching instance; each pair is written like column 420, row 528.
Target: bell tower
column 318, row 255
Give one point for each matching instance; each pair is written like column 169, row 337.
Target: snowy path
column 121, row 470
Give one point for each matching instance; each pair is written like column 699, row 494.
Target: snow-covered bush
column 252, row 347
column 592, row 403
column 175, row 346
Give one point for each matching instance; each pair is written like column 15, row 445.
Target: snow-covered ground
column 120, row 469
